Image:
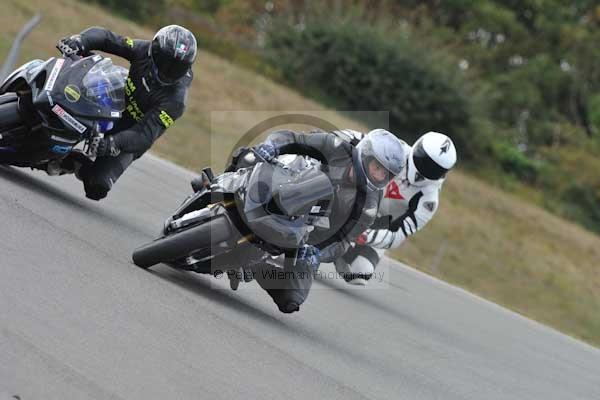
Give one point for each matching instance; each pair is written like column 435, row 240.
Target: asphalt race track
column 79, row 321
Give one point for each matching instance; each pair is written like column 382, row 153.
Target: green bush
column 359, row 67
column 575, row 182
column 594, row 107
column 138, row 10
column 515, row 162
column 581, row 202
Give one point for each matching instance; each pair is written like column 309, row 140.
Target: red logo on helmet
column 392, row 191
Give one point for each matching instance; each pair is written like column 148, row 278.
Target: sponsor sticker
column 181, row 51
column 429, row 205
column 61, row 149
column 392, row 191
column 72, row 93
column 68, row 118
column 62, row 139
column 54, row 74
column 165, row 118
column 115, row 114
column 445, row 147
column 50, row 99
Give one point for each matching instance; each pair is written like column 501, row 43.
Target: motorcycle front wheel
column 180, row 244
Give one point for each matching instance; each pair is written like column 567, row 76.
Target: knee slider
column 288, row 307
column 362, row 266
column 286, row 300
column 96, row 192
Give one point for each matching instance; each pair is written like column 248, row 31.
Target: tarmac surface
column 79, row 321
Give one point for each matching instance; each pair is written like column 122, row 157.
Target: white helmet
column 430, row 158
column 387, row 150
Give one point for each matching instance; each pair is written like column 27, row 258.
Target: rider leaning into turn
column 156, row 90
column 358, row 175
column 409, row 202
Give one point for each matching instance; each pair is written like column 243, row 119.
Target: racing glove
column 362, row 239
column 407, row 223
column 266, row 151
column 382, row 238
column 310, row 255
column 71, row 45
column 107, row 147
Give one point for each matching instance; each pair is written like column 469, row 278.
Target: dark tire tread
column 181, row 244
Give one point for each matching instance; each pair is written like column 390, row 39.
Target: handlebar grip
column 72, row 57
column 275, row 161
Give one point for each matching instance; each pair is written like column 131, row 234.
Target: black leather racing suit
column 352, row 212
column 151, row 108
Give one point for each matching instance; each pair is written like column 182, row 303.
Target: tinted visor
column 425, row 165
column 169, row 69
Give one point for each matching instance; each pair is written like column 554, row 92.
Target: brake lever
column 92, row 145
column 73, row 56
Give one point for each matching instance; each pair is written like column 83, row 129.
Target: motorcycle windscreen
column 104, row 86
column 299, row 195
column 92, row 88
column 279, row 230
column 260, row 185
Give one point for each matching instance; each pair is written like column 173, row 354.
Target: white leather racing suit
column 403, row 210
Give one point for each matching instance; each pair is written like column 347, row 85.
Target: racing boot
column 239, row 275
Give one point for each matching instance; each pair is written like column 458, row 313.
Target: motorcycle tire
column 180, row 244
column 9, row 112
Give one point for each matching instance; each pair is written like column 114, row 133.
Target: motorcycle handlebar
column 74, row 57
column 275, row 161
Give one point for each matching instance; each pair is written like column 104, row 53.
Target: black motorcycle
column 53, row 113
column 243, row 217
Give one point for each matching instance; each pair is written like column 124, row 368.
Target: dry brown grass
column 514, row 253
column 482, row 239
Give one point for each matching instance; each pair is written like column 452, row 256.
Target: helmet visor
column 425, row 165
column 168, row 67
column 377, row 174
column 169, row 70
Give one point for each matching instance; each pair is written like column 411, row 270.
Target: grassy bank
column 484, row 240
